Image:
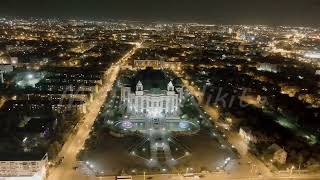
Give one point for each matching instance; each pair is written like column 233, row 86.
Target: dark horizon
column 272, row 12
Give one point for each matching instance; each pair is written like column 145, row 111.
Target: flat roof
column 21, row 156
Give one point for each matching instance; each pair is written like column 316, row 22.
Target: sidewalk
column 248, row 163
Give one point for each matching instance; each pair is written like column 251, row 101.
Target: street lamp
column 30, row 76
column 291, row 169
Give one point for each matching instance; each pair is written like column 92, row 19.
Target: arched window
column 144, row 103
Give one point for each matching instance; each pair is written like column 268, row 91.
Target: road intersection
column 76, row 142
column 253, row 170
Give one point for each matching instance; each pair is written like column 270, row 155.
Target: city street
column 214, row 176
column 248, row 171
column 256, row 166
column 75, row 142
column 159, row 90
column 233, row 170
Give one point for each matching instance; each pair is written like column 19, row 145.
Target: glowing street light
column 30, row 76
column 25, row 139
column 291, row 169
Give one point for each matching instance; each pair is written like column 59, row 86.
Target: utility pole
column 1, row 77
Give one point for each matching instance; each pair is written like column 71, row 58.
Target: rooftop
column 151, row 79
column 22, row 156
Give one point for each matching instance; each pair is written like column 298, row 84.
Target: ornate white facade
column 152, row 102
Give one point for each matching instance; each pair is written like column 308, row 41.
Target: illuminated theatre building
column 151, row 94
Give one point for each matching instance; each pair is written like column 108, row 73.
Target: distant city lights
column 313, row 55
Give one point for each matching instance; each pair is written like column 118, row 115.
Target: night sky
column 272, row 12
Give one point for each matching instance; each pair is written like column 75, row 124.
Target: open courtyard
column 123, row 142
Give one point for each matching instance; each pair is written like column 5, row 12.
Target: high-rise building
column 26, row 167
